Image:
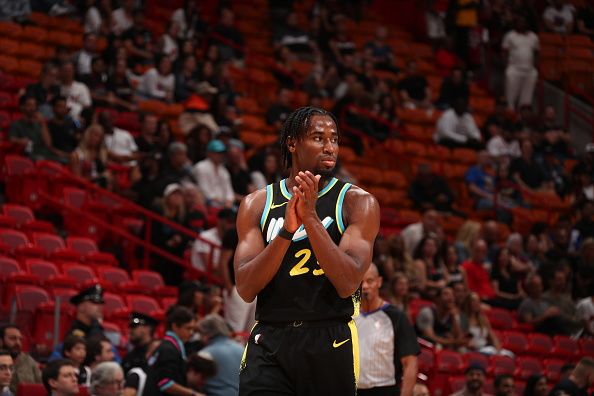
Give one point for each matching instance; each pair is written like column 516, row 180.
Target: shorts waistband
column 307, row 323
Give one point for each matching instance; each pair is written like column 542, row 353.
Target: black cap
column 140, row 319
column 194, row 286
column 93, row 294
column 475, row 366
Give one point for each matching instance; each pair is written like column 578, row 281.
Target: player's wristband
column 283, row 233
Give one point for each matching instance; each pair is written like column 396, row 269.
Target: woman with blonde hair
column 400, row 296
column 89, row 159
column 467, row 234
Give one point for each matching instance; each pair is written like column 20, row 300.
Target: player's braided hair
column 296, row 126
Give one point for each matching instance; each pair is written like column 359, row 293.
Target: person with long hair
column 399, row 260
column 430, row 270
column 89, row 159
column 265, row 170
column 450, row 260
column 467, row 234
column 536, row 386
column 507, row 286
column 481, row 337
column 400, row 296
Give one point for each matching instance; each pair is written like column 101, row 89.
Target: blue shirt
column 477, row 176
column 227, row 355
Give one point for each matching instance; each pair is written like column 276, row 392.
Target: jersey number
column 299, row 268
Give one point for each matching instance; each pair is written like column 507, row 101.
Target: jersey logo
column 337, row 344
column 276, row 224
column 278, row 206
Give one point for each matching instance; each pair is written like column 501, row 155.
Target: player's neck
column 371, row 305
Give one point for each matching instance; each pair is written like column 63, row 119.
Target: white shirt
column 170, row 47
column 498, row 147
column 83, row 62
column 78, row 97
column 412, row 235
column 93, row 20
column 456, row 128
column 560, row 18
column 214, row 181
column 120, row 21
column 585, row 312
column 521, row 49
column 200, row 247
column 179, row 17
column 121, row 142
column 155, row 85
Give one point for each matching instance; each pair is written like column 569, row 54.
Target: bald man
column 388, row 344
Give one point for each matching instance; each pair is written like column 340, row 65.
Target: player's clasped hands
column 307, row 192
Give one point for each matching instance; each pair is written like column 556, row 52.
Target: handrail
column 131, row 238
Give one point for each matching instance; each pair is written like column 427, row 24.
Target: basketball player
column 304, row 245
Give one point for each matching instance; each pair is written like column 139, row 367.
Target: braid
column 296, row 126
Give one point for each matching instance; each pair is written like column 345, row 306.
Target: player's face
column 318, row 150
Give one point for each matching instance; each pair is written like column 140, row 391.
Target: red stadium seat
column 426, row 360
column 44, row 270
column 118, row 278
column 25, row 218
column 113, row 304
column 565, row 347
column 539, row 344
column 587, row 346
column 152, row 280
column 81, row 273
column 449, row 362
column 8, row 266
column 515, row 342
column 28, row 297
column 500, row 318
column 54, row 247
column 552, row 369
column 89, row 251
column 144, row 304
column 457, row 383
column 166, row 302
column 476, row 358
column 502, row 365
column 527, row 366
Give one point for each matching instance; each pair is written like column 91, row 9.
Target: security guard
column 89, row 311
column 142, row 329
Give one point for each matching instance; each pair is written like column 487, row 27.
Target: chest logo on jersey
column 276, row 224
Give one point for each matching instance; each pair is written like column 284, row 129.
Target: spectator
column 89, row 159
column 62, row 129
column 99, row 350
column 435, row 20
column 341, row 45
column 413, row 233
column 122, row 18
column 453, row 88
column 463, row 19
column 75, row 349
column 579, row 380
column 504, row 385
column 291, row 36
column 413, row 89
column 26, row 369
column 146, row 141
column 142, row 340
column 398, row 260
column 502, row 146
column 527, row 172
column 229, row 40
column 558, row 17
column 507, row 287
column 59, row 378
column 585, row 313
column 456, row 128
column 121, row 146
column 97, row 81
column 196, row 207
column 186, row 79
column 205, row 253
column 450, row 262
column 177, row 168
column 429, row 190
column 431, row 274
column 475, row 381
column 138, row 44
column 536, row 311
column 77, row 94
column 84, row 57
column 45, row 90
column 476, row 272
column 158, row 82
column 480, row 182
column 167, row 45
column 555, row 173
column 201, row 367
column 467, row 234
column 387, row 343
column 520, row 49
column 585, row 19
column 97, row 19
column 277, row 113
column 168, row 238
column 379, row 52
column 559, row 296
column 107, row 380
column 440, row 324
column 461, row 293
column 566, row 371
column 475, row 324
column 30, row 131
column 119, row 88
column 238, row 168
column 187, row 18
column 265, row 169
column 400, row 292
column 536, row 386
column 500, row 119
column 445, row 57
column 213, row 178
column 420, row 390
column 552, row 135
column 6, row 372
column 194, row 295
column 226, row 354
column 89, row 312
column 166, row 371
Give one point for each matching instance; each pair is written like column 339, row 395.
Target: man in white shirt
column 77, row 94
column 558, row 17
column 84, row 57
column 204, row 252
column 520, row 47
column 413, row 233
column 456, row 127
column 213, row 178
column 502, row 147
column 120, row 144
column 585, row 313
column 121, row 18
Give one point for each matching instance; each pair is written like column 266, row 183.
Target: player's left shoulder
column 361, row 201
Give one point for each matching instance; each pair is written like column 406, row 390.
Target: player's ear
column 291, row 143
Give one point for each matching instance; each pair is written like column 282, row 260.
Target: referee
column 388, row 344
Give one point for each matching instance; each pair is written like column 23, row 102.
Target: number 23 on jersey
column 303, row 256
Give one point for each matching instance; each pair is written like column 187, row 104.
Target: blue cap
column 216, row 146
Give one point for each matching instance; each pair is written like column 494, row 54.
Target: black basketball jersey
column 300, row 291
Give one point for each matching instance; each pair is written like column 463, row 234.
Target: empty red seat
column 500, row 318
column 501, row 365
column 54, row 247
column 44, row 270
column 28, row 297
column 16, row 169
column 81, row 273
column 144, row 304
column 552, row 369
column 587, row 346
column 449, row 362
column 19, row 245
column 167, row 302
column 89, row 251
column 539, row 344
column 515, row 342
column 25, row 218
column 153, row 281
column 527, row 366
column 565, row 347
column 118, row 278
column 426, row 360
column 8, row 266
column 113, row 304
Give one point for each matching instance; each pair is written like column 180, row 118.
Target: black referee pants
column 379, row 391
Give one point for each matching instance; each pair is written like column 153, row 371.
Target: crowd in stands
column 196, row 171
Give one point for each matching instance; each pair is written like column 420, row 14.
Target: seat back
column 148, row 279
column 81, row 273
column 42, row 269
column 21, row 214
column 142, row 304
column 13, row 239
column 82, row 245
column 113, row 302
column 112, row 275
column 30, row 297
column 8, row 266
